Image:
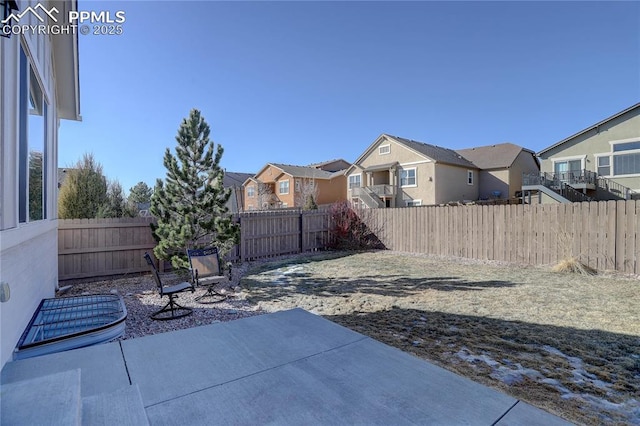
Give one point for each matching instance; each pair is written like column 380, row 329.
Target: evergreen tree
column 190, row 204
column 310, row 204
column 139, row 194
column 84, row 190
column 115, row 206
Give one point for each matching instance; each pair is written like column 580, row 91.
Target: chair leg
column 211, row 293
column 176, row 310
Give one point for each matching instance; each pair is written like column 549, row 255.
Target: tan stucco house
column 400, row 172
column 601, row 161
column 501, row 168
column 278, row 186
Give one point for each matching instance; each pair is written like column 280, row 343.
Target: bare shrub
column 350, row 230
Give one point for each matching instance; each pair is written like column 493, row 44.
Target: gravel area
column 141, row 298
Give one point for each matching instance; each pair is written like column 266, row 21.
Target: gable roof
column 434, row 152
column 600, row 123
column 334, row 165
column 496, row 156
column 303, row 171
column 235, row 179
column 431, row 152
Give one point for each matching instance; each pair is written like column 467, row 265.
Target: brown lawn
column 566, row 343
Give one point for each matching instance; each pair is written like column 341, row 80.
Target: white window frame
column 251, row 191
column 414, row 203
column 582, row 158
column 415, row 177
column 359, row 175
column 387, row 151
column 470, row 177
column 280, row 184
column 612, row 155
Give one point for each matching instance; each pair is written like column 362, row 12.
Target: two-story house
column 600, row 162
column 399, row 172
column 278, row 186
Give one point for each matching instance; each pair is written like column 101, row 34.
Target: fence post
column 301, row 231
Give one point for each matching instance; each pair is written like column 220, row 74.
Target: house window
column 563, row 169
column 251, row 191
column 414, row 203
column 624, row 159
column 627, row 164
column 384, row 149
column 604, row 166
column 297, row 185
column 283, row 187
column 469, row 177
column 625, row 146
column 355, row 181
column 32, row 172
column 408, row 177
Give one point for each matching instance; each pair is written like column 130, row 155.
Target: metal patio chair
column 206, row 271
column 172, row 309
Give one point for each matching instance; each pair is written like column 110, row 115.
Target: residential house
column 39, row 86
column 399, row 172
column 235, row 180
column 601, row 162
column 283, row 185
column 501, row 167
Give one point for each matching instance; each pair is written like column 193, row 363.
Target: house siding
column 28, row 250
column 596, row 141
column 525, row 162
column 450, row 184
column 494, row 180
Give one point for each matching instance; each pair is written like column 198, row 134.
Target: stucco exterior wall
column 425, row 185
column 450, row 184
column 597, row 141
column 28, row 250
column 493, row 180
column 397, row 152
column 524, row 163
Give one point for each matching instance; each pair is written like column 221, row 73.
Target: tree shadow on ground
column 384, row 285
column 586, row 376
column 299, row 259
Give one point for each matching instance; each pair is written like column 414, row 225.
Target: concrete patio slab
column 103, row 368
column 168, row 365
column 56, row 401
column 122, row 407
column 364, row 382
column 289, row 367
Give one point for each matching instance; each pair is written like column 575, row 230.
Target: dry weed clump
column 573, row 265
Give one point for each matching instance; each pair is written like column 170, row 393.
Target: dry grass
column 568, row 343
column 573, row 265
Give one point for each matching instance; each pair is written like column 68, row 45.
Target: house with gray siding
column 601, row 162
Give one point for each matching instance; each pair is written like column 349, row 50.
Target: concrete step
column 53, row 399
column 122, row 407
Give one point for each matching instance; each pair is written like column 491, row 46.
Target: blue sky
column 304, row 82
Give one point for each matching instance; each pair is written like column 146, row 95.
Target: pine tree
column 84, row 190
column 190, row 204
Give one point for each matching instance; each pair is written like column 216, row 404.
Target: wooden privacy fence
column 603, row 235
column 100, row 247
column 274, row 233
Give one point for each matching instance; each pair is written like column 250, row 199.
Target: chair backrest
column 154, row 271
column 205, row 261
